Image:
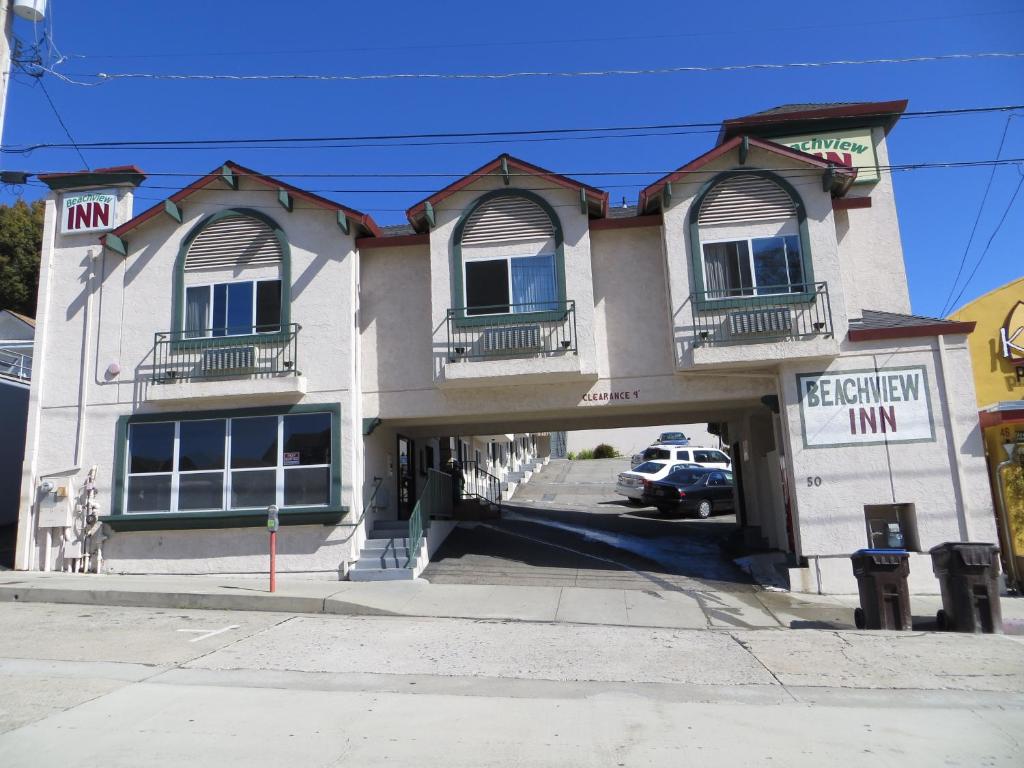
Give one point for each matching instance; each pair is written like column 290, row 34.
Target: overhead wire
column 656, row 129
column 101, row 78
column 977, row 218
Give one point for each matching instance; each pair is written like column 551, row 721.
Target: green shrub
column 605, row 451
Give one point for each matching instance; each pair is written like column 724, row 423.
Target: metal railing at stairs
column 479, row 484
column 436, row 500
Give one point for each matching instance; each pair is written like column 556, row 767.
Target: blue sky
column 937, row 207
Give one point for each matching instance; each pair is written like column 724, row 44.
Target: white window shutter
column 507, row 219
column 233, row 241
column 746, row 198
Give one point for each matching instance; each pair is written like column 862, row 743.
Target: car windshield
column 649, row 467
column 656, row 453
column 685, row 476
column 670, row 436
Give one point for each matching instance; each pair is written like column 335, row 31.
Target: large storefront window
column 246, row 462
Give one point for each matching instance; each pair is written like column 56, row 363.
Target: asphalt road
column 130, row 687
column 568, row 527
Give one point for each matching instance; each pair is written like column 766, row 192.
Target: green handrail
column 436, row 499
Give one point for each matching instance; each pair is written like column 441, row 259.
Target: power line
column 977, row 218
column 271, row 141
column 992, row 237
column 793, row 172
column 63, row 125
column 104, row 77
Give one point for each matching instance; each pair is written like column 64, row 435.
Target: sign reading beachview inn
column 94, row 211
column 851, row 148
column 890, row 405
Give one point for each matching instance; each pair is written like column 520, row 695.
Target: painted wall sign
column 608, row 397
column 94, row 211
column 866, row 407
column 1011, row 335
column 851, row 148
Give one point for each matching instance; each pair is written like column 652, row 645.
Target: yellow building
column 997, row 354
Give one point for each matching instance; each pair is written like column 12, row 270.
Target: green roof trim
column 228, row 176
column 369, row 425
column 173, row 210
column 343, row 222
column 285, row 199
column 116, row 244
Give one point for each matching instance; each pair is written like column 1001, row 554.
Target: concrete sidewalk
column 683, row 609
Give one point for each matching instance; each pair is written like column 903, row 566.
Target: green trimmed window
column 244, row 462
column 749, row 238
column 508, row 257
column 232, row 277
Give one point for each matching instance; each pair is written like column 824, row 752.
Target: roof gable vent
column 507, row 219
column 746, row 198
column 233, row 241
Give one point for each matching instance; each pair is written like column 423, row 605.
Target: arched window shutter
column 507, row 219
column 746, row 198
column 233, row 241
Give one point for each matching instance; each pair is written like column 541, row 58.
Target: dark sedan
column 697, row 491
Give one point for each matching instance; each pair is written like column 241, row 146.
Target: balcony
column 528, row 341
column 735, row 326
column 16, row 361
column 260, row 366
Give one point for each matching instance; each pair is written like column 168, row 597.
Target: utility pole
column 6, row 23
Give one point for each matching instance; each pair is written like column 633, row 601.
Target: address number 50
column 814, row 482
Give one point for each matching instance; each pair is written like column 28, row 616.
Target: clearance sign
column 890, row 405
column 851, row 148
column 94, row 211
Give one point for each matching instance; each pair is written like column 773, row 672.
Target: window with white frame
column 754, row 266
column 749, row 239
column 237, row 308
column 510, row 284
column 246, row 462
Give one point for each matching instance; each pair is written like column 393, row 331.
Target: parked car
column 705, row 457
column 631, row 484
column 673, row 438
column 697, row 491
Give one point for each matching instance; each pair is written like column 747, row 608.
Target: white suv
column 705, row 457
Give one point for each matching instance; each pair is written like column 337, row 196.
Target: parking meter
column 272, row 525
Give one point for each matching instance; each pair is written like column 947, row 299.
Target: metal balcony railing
column 767, row 313
column 16, row 361
column 512, row 330
column 203, row 356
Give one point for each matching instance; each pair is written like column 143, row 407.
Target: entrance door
column 406, row 477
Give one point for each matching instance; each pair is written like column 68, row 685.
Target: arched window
column 748, row 238
column 508, row 256
column 232, row 277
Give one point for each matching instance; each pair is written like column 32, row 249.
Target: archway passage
column 566, row 522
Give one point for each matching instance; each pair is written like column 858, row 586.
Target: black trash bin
column 968, row 576
column 882, row 582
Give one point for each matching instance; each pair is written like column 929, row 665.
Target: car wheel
column 704, row 509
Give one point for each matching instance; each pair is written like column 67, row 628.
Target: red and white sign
column 94, row 211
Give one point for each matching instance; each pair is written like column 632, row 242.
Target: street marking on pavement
column 207, row 633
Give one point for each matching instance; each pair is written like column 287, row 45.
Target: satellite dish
column 31, row 10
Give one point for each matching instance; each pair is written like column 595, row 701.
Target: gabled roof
column 597, row 199
column 802, row 118
column 23, row 318
column 875, row 324
column 217, row 176
column 118, row 174
column 651, row 196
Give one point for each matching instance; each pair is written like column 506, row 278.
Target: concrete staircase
column 385, row 553
column 514, row 479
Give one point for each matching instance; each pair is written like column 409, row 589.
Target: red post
column 273, row 561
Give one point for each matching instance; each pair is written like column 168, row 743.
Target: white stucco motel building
column 245, row 343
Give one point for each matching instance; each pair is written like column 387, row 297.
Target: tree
column 21, row 240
